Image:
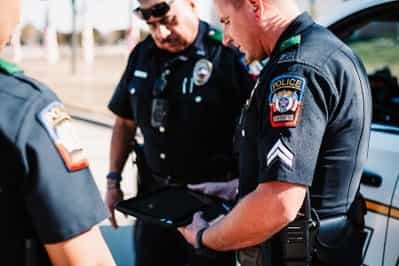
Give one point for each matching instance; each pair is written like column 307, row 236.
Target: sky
column 105, row 15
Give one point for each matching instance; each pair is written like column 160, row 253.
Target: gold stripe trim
column 382, row 209
column 394, row 213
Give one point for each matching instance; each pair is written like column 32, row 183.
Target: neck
column 274, row 26
column 195, row 31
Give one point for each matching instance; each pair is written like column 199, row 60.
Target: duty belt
column 166, row 180
column 174, row 181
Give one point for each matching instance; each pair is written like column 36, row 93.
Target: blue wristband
column 114, row 176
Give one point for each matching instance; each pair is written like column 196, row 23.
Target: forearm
column 256, row 218
column 121, row 143
column 88, row 248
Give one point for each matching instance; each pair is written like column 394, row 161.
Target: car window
column 376, row 40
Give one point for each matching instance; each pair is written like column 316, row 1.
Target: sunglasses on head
column 157, row 10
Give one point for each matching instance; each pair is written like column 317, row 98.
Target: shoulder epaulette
column 215, row 34
column 9, row 68
column 291, row 42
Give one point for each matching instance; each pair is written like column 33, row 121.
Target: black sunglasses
column 157, row 10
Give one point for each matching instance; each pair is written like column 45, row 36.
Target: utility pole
column 74, row 38
column 313, row 11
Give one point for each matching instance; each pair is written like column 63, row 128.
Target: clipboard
column 173, row 206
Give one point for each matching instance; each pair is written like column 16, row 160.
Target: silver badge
column 202, row 72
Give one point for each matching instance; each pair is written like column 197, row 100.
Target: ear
column 193, row 4
column 257, row 7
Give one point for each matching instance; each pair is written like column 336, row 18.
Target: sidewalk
column 85, row 93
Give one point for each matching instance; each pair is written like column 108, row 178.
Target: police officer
column 48, row 201
column 184, row 90
column 309, row 116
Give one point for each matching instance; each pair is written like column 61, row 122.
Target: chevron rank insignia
column 286, row 93
column 279, row 151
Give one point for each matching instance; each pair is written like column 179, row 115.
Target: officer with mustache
column 184, row 90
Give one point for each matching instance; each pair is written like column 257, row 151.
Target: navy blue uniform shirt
column 46, row 190
column 196, row 144
column 309, row 120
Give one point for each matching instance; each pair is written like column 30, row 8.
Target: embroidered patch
column 59, row 126
column 286, row 92
column 280, row 152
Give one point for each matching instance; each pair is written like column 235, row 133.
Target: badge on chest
column 286, row 92
column 202, row 72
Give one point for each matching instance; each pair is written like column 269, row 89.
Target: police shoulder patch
column 59, row 126
column 285, row 98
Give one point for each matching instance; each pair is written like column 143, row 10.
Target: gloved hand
column 224, row 190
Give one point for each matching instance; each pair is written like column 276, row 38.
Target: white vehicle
column 371, row 28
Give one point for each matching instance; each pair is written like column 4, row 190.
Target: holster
column 145, row 182
column 341, row 238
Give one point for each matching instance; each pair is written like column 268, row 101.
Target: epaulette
column 215, row 34
column 291, row 42
column 9, row 68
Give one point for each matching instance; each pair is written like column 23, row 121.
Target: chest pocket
column 202, row 109
column 140, row 92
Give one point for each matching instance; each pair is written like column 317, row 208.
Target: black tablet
column 172, row 206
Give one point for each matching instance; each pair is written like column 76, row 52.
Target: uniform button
column 161, row 129
column 132, row 91
column 162, row 156
column 243, row 132
column 198, row 99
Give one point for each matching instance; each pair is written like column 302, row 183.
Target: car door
column 374, row 35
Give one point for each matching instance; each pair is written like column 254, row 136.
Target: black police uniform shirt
column 47, row 192
column 310, row 116
column 196, row 143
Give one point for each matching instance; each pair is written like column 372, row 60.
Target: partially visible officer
column 310, row 114
column 49, row 204
column 184, row 89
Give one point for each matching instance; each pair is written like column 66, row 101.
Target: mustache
column 170, row 39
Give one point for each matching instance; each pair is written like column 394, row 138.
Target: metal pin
column 191, row 85
column 184, row 89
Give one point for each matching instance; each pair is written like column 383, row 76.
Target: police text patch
column 59, row 126
column 286, row 92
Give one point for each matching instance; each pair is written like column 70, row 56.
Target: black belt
column 173, row 181
column 166, row 180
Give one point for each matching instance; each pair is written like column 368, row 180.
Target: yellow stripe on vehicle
column 383, row 209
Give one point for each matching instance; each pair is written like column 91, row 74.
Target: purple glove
column 224, row 190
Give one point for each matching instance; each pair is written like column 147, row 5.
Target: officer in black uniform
column 184, row 90
column 49, row 203
column 306, row 125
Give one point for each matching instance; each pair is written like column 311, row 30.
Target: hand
column 189, row 232
column 112, row 197
column 224, row 190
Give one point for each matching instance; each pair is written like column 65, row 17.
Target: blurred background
column 79, row 48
